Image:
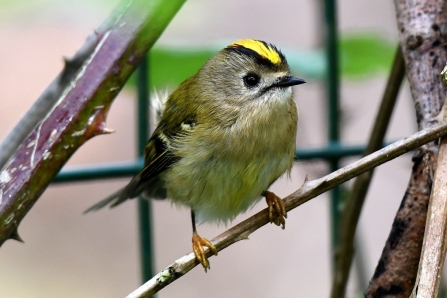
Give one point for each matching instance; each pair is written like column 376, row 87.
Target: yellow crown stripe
column 260, row 48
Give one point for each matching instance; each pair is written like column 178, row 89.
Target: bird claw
column 197, row 246
column 275, row 204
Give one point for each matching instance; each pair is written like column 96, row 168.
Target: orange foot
column 277, row 205
column 197, row 246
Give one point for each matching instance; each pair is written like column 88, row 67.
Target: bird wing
column 158, row 158
column 158, row 155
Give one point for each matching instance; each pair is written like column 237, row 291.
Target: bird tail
column 111, row 200
column 131, row 190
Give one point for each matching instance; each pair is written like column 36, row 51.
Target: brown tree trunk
column 396, row 271
column 422, row 29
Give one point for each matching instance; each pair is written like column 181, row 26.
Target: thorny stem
column 80, row 112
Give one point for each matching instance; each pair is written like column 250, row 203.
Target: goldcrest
column 225, row 135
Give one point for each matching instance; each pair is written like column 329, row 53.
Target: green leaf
column 365, row 54
column 362, row 55
column 170, row 67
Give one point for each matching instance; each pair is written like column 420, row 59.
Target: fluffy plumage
column 225, row 135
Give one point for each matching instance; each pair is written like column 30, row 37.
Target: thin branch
column 435, row 239
column 308, row 190
column 350, row 215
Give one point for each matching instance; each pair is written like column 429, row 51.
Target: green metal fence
column 332, row 153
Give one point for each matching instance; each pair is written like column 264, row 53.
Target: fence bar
column 144, row 206
column 333, row 80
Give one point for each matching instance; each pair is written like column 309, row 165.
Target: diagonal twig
column 306, row 192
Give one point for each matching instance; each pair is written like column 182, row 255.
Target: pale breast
column 222, row 178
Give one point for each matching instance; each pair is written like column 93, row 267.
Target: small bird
column 225, row 135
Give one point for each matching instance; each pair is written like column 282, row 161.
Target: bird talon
column 197, row 245
column 270, row 207
column 277, row 205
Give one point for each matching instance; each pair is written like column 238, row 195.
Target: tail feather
column 130, row 191
column 151, row 186
column 113, row 200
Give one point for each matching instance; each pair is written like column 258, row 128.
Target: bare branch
column 309, row 190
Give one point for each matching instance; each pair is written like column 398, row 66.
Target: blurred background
column 67, row 254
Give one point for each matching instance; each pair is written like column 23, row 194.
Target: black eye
column 251, row 80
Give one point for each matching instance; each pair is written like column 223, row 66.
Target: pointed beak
column 288, row 81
